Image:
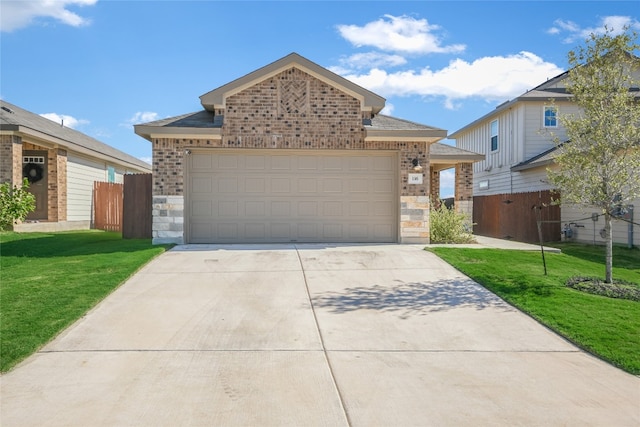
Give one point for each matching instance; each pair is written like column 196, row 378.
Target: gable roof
column 553, row 88
column 16, row 119
column 383, row 127
column 369, row 101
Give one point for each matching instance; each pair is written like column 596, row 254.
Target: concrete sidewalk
column 483, row 242
column 333, row 335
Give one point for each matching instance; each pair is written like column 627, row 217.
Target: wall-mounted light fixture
column 416, row 165
column 187, row 151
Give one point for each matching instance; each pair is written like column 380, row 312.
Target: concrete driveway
column 311, row 335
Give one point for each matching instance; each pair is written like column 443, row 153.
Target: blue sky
column 106, row 65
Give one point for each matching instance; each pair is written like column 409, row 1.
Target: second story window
column 550, row 117
column 494, row 135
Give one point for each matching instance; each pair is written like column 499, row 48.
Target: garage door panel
column 226, row 161
column 255, row 163
column 228, row 208
column 332, row 232
column 307, row 185
column 281, row 163
column 201, row 208
column 332, row 208
column 235, row 196
column 333, row 163
column 307, row 163
column 330, row 185
column 254, row 185
column 227, row 185
column 280, row 185
column 281, row 208
column 227, row 231
column 255, row 208
column 384, row 164
column 255, row 231
column 307, row 208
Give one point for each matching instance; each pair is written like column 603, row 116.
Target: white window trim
column 497, row 135
column 544, row 117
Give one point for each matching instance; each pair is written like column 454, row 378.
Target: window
column 111, row 173
column 494, row 135
column 550, row 117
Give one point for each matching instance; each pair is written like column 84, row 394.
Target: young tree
column 599, row 166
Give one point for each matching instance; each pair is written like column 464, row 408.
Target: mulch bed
column 618, row 289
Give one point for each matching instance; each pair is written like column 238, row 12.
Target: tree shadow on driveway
column 411, row 298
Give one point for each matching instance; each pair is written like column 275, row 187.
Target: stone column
column 414, row 198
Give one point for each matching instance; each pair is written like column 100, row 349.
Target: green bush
column 15, row 203
column 449, row 226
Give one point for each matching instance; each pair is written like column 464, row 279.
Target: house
column 517, row 139
column 292, row 152
column 61, row 164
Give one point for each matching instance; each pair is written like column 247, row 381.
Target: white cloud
column 573, row 32
column 142, row 117
column 147, row 159
column 372, row 60
column 68, row 121
column 388, row 109
column 492, row 78
column 19, row 14
column 398, row 34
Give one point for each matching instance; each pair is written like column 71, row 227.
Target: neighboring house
column 517, row 140
column 295, row 153
column 62, row 165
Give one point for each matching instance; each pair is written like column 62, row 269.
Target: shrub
column 449, row 226
column 15, row 203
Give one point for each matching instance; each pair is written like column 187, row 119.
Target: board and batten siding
column 538, row 138
column 577, row 214
column 82, row 172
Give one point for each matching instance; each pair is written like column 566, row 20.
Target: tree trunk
column 609, row 251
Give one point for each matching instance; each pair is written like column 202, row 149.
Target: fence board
column 511, row 216
column 107, row 203
column 137, row 219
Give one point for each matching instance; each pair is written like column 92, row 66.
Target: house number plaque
column 415, row 178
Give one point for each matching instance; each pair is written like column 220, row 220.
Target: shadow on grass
column 411, row 298
column 49, row 245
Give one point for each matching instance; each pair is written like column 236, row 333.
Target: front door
column 34, row 168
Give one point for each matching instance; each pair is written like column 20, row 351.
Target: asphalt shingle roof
column 13, row 118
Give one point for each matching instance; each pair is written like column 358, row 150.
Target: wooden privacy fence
column 124, row 207
column 136, row 221
column 511, row 216
column 107, row 206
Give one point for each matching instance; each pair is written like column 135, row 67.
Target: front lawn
column 606, row 327
column 49, row 280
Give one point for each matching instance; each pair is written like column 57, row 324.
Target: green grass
column 606, row 327
column 49, row 280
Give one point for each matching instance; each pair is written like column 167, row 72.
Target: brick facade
column 289, row 110
column 11, row 159
column 464, row 189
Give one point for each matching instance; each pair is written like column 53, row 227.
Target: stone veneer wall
column 291, row 110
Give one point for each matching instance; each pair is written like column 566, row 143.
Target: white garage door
column 262, row 196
